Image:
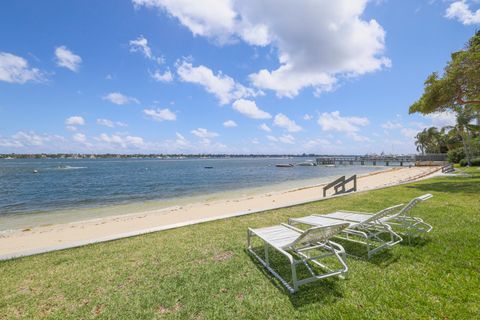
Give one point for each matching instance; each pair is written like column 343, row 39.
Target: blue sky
column 222, row 76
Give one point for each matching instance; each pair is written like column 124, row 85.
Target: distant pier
column 367, row 160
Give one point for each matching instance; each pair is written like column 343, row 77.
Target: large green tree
column 458, row 86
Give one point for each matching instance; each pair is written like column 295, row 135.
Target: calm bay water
column 85, row 183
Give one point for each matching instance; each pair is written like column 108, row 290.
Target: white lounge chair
column 400, row 221
column 310, row 246
column 370, row 231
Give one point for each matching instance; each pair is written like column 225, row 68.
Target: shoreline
column 16, row 243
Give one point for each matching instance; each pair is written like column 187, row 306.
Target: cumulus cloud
column 119, row 98
column 442, row 119
column 249, row 108
column 332, row 40
column 204, row 133
column 167, row 76
column 117, row 140
column 160, row 114
column 75, row 121
column 286, row 138
column 141, row 45
column 181, row 141
column 286, row 123
column 264, row 127
column 389, row 125
column 80, row 137
column 461, row 11
column 15, row 69
column 229, row 124
column 110, row 123
column 272, row 138
column 30, row 139
column 67, row 59
column 409, row 132
column 333, row 121
column 307, row 117
column 203, row 18
column 225, row 88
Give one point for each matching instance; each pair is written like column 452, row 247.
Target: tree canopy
column 459, row 85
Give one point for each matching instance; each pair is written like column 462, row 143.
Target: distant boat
column 308, row 163
column 208, row 167
column 284, row 165
column 330, row 165
column 35, row 171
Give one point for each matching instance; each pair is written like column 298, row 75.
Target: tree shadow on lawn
column 460, row 186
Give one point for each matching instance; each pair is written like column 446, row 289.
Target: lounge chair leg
column 294, row 276
column 266, row 254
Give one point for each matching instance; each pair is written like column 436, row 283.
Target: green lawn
column 204, row 272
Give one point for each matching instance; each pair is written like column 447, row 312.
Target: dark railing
column 339, row 185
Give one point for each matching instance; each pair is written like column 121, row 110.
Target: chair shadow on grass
column 324, row 291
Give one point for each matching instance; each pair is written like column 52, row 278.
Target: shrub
column 455, row 155
column 474, row 162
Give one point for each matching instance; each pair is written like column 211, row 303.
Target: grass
column 204, row 272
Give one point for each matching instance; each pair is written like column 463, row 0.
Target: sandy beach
column 14, row 243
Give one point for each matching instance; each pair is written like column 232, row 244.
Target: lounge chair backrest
column 409, row 206
column 380, row 214
column 317, row 234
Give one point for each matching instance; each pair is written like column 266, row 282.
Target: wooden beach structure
column 366, row 160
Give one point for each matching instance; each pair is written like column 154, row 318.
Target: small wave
column 68, row 168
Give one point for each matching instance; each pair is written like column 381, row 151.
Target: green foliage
column 458, row 86
column 456, row 155
column 474, row 162
column 204, row 272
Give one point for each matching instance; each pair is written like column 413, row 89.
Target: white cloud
column 255, row 141
column 67, row 59
column 249, row 108
column 333, row 121
column 141, row 45
column 204, row 18
column 220, row 85
column 460, row 10
column 332, row 39
column 229, row 124
column 167, row 76
column 286, row 138
column 15, row 69
column 317, row 144
column 272, row 138
column 110, row 123
column 307, row 117
column 409, row 132
column 117, row 140
column 79, row 137
column 160, row 114
column 389, row 125
column 442, row 119
column 264, row 127
column 120, row 99
column 30, row 139
column 181, row 141
column 204, row 133
column 75, row 121
column 284, row 122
